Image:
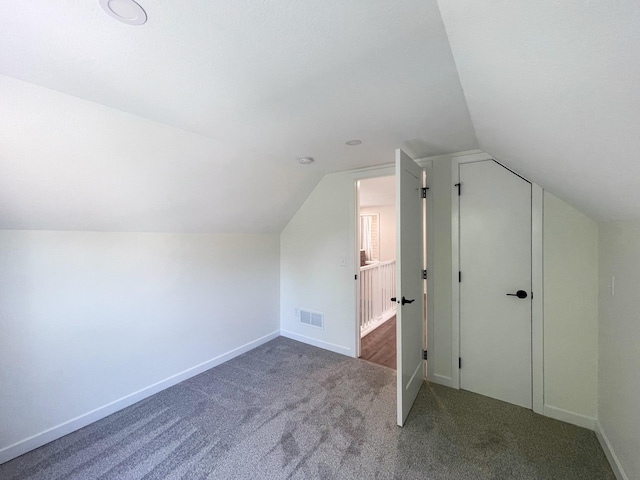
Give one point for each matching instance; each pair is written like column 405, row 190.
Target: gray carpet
column 288, row 410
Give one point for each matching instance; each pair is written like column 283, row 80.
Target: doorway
column 410, row 274
column 376, row 242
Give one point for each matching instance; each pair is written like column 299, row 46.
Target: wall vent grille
column 314, row 319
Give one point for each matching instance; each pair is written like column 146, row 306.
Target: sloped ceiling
column 553, row 89
column 193, row 121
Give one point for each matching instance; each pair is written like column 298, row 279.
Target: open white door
column 409, row 288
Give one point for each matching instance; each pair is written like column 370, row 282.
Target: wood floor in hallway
column 379, row 346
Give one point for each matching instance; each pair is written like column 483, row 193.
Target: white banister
column 377, row 286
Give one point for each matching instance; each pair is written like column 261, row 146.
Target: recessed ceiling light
column 127, row 11
column 353, row 143
column 305, row 160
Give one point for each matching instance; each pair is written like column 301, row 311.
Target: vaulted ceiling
column 553, row 89
column 193, row 121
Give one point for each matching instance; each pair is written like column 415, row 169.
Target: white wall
column 387, row 229
column 570, row 263
column 312, row 246
column 89, row 318
column 619, row 344
column 441, row 338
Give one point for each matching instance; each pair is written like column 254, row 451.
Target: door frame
column 427, row 165
column 373, row 172
column 537, row 387
column 387, row 171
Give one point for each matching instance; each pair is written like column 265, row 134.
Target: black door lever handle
column 519, row 294
column 404, row 300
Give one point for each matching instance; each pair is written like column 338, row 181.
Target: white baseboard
column 23, row 446
column 318, row 343
column 441, row 380
column 608, row 451
column 569, row 417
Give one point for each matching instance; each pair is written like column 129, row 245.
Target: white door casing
column 409, row 262
column 495, row 260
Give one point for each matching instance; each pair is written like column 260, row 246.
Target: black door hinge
column 424, row 192
column 459, row 362
column 356, row 276
column 459, row 276
column 459, row 185
column 424, row 354
column 424, row 274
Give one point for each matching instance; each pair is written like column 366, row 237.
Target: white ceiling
column 553, row 89
column 193, row 121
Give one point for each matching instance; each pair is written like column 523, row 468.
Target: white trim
column 569, row 417
column 42, row 438
column 450, row 156
column 441, row 380
column 455, row 269
column 354, row 237
column 616, row 466
column 537, row 302
column 387, row 170
column 370, row 172
column 332, row 347
column 478, row 156
column 430, row 327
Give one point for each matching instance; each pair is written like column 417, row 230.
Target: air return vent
column 312, row 318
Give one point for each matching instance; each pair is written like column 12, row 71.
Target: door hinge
column 459, row 185
column 459, row 362
column 459, row 276
column 424, row 192
column 424, row 354
column 356, row 276
column 424, row 274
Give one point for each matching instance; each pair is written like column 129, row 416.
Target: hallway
column 379, row 346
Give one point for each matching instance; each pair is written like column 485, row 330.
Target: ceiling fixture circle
column 126, row 11
column 353, row 143
column 305, row 160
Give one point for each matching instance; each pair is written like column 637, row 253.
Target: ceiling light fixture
column 127, row 11
column 353, row 143
column 305, row 160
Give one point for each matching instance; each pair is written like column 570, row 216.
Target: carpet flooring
column 291, row 411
